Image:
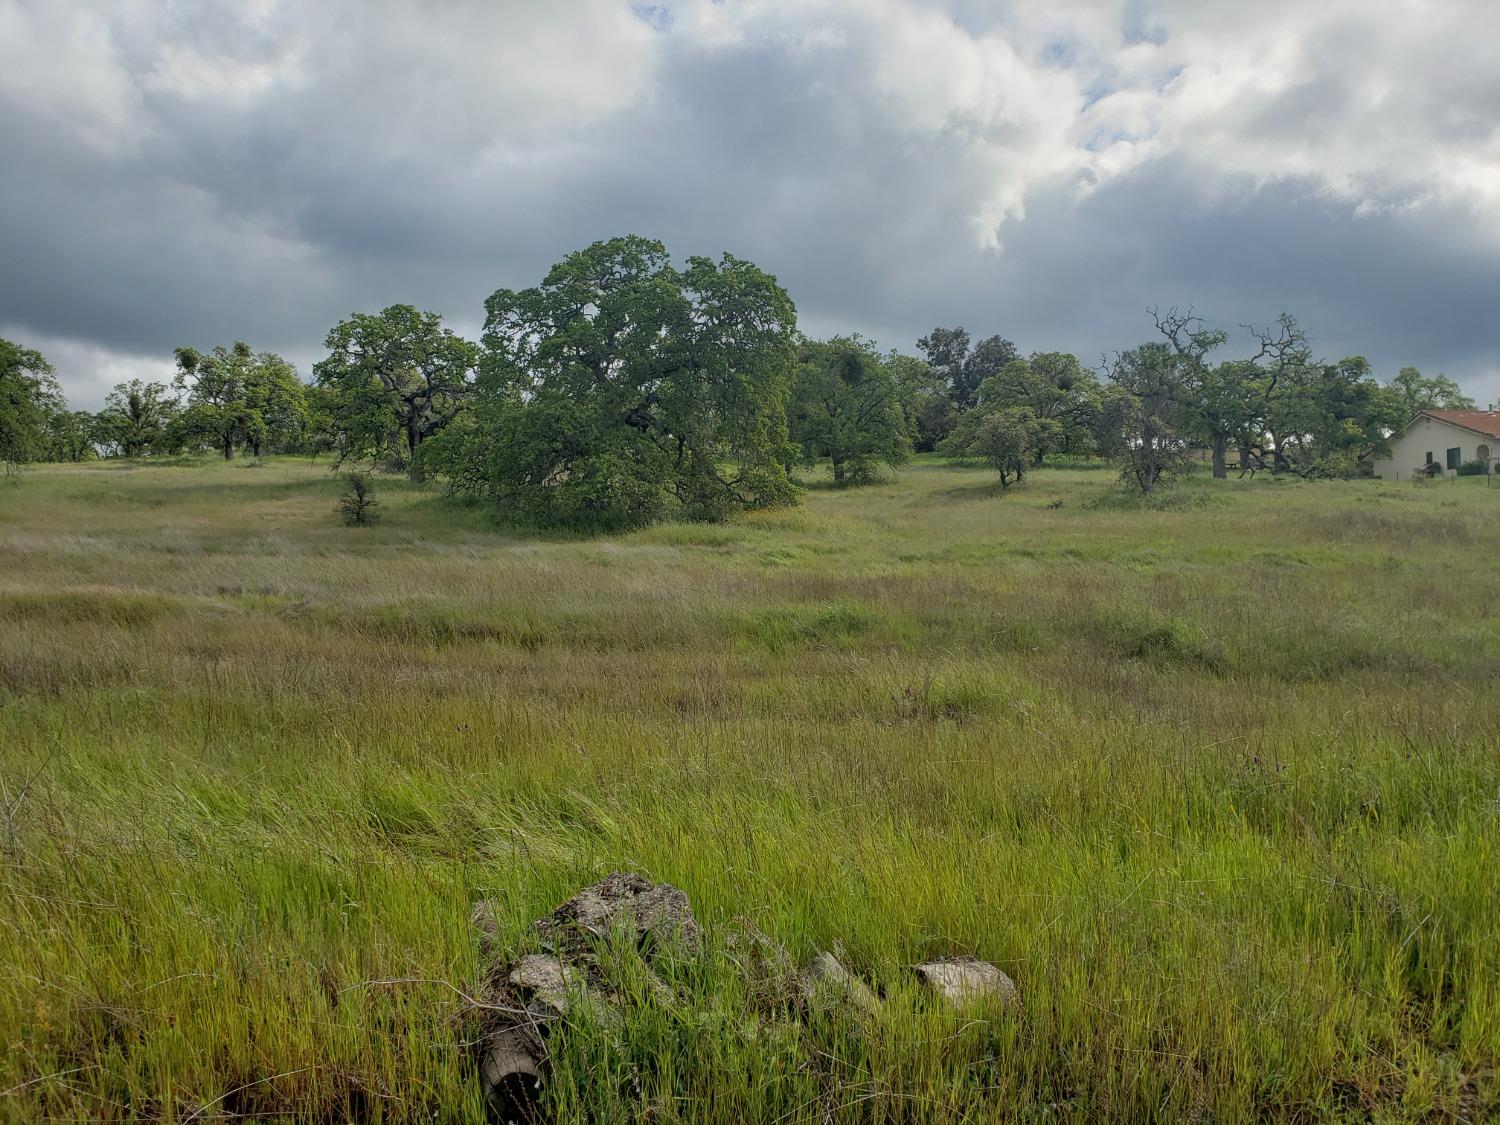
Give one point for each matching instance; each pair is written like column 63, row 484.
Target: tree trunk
column 838, row 472
column 1220, row 449
column 413, row 435
column 413, row 439
column 229, row 449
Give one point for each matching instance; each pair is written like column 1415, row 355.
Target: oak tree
column 392, row 380
column 624, row 388
column 1006, row 437
column 138, row 418
column 846, row 409
column 239, row 399
column 29, row 397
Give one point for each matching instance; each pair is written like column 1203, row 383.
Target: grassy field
column 1218, row 784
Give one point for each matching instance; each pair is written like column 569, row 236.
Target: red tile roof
column 1485, row 422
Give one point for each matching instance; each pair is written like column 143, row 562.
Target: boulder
column 548, row 984
column 827, row 985
column 966, row 980
column 653, row 915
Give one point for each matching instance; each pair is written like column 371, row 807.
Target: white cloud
column 1060, row 97
column 59, row 71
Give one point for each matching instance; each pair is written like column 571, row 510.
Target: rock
column 553, row 989
column 966, row 980
column 827, row 984
column 526, row 999
column 550, row 985
column 654, row 915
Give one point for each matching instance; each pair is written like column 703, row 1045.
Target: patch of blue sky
column 656, row 16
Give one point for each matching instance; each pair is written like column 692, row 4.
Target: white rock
column 826, row 983
column 966, row 980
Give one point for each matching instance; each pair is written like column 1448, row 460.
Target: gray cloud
column 210, row 172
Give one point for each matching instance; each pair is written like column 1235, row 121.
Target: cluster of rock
column 529, row 995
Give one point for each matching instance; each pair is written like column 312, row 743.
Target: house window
column 1453, row 455
column 1427, row 459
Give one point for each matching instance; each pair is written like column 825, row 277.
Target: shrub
column 1473, row 469
column 826, row 624
column 357, row 501
column 1343, row 464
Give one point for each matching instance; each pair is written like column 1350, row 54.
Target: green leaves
column 623, row 389
column 846, row 407
column 392, row 380
column 1414, row 391
column 1057, row 390
column 963, row 368
column 138, row 418
column 1008, row 437
column 29, row 396
column 238, row 398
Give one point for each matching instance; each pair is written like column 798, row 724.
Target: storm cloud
column 197, row 173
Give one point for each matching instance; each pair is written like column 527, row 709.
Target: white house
column 1445, row 438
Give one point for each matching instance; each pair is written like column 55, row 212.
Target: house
column 1445, row 438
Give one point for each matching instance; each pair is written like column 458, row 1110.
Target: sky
column 204, row 171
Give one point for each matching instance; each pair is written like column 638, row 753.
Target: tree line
column 624, row 388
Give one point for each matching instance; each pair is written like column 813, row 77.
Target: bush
column 1343, row 464
column 1473, row 469
column 358, row 499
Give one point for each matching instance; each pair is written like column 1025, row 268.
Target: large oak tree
column 964, row 367
column 392, row 380
column 138, row 418
column 623, row 388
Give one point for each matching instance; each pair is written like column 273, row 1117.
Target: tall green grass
column 1217, row 782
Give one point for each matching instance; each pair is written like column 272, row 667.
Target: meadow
column 1216, row 781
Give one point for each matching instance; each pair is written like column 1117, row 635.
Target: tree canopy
column 963, row 367
column 29, row 397
column 1282, row 406
column 237, row 398
column 846, row 408
column 138, row 418
column 622, row 388
column 625, row 388
column 1058, row 391
column 1153, row 386
column 392, row 380
column 1414, row 392
column 1008, row 438
column 923, row 392
column 71, row 436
